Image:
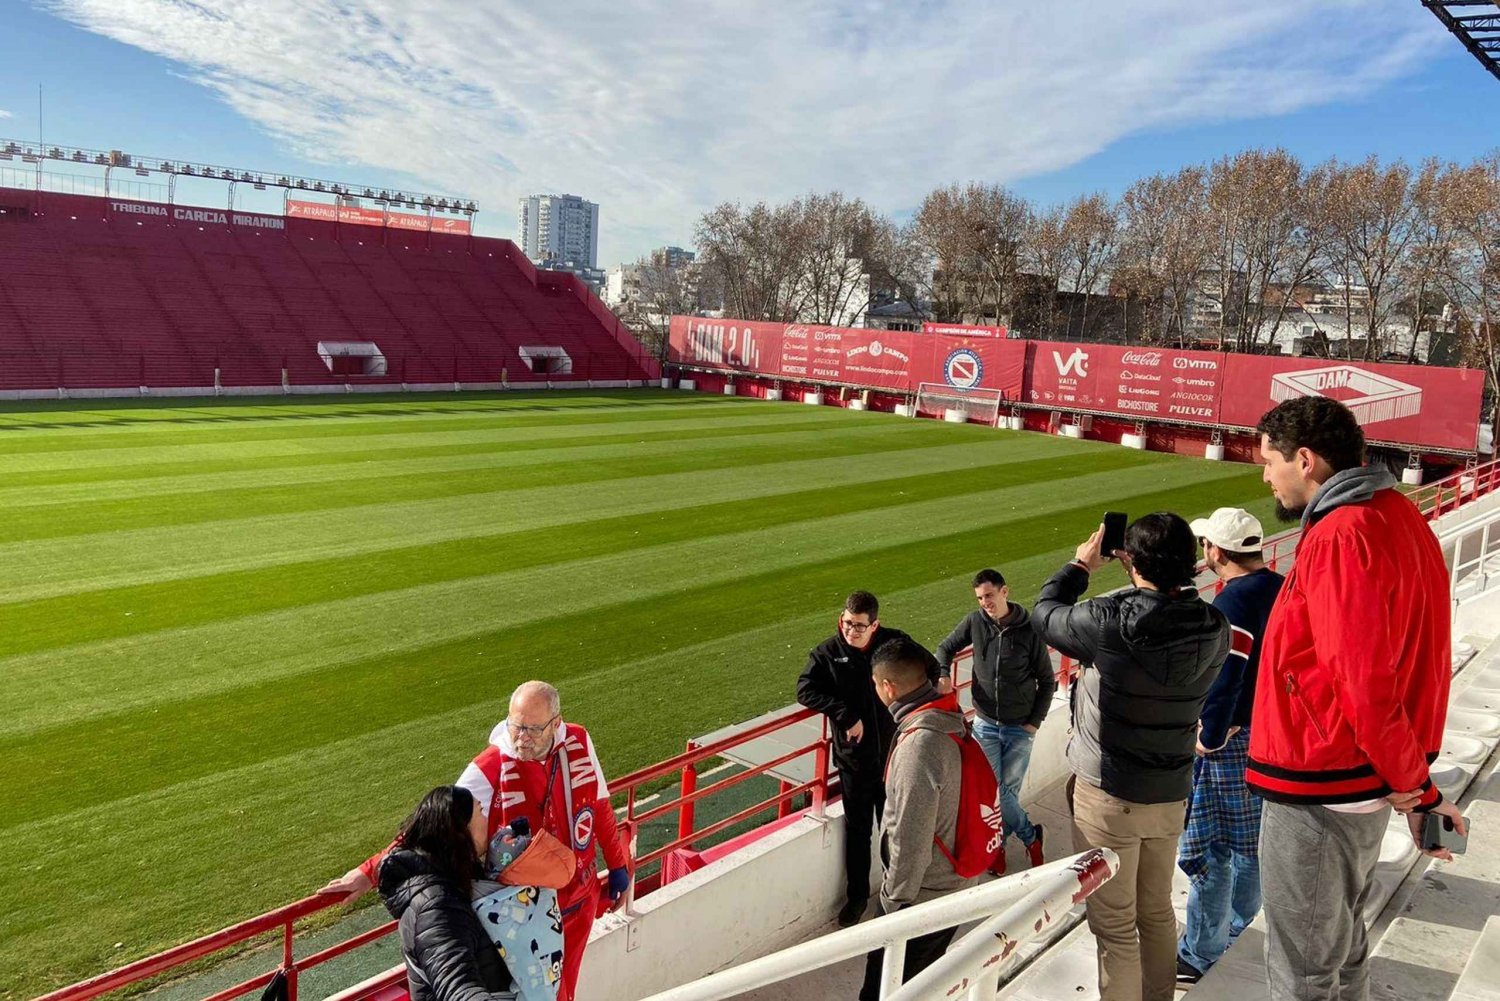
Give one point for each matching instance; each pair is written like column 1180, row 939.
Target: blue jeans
column 1220, row 906
column 1009, row 751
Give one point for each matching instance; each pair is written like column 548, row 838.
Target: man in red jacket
column 539, row 767
column 1351, row 697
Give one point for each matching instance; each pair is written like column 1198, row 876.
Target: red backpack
column 980, row 834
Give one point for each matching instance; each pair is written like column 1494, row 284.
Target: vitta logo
column 1076, row 363
column 1372, row 397
column 1152, row 358
column 1210, row 364
column 963, row 369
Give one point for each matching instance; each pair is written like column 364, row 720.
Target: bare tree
column 1262, row 212
column 841, row 237
column 1468, row 199
column 1090, row 237
column 1165, row 247
column 658, row 293
column 1372, row 224
column 964, row 244
column 1430, row 253
column 753, row 256
column 1044, row 258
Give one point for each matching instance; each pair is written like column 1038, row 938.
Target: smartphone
column 1114, row 533
column 1438, row 832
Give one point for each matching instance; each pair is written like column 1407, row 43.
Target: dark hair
column 439, row 829
column 1162, row 549
column 989, row 576
column 862, row 603
column 902, row 660
column 1324, row 427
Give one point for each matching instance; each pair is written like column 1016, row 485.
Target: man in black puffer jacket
column 449, row 956
column 1012, row 691
column 837, row 683
column 1150, row 653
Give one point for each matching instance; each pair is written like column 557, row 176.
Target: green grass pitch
column 238, row 640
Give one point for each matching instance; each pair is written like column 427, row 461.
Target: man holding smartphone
column 1150, row 654
column 1351, row 699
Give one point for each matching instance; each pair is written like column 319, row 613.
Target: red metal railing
column 1435, row 500
column 1446, row 495
column 282, row 919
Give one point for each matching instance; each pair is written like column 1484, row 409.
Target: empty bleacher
column 96, row 298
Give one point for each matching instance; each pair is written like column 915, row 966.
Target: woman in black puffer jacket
column 426, row 883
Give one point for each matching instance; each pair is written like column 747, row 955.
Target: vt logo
column 1077, row 362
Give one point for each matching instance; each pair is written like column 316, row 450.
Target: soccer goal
column 939, row 399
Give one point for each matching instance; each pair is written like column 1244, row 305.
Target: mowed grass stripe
column 106, row 466
column 127, row 611
column 37, row 568
column 312, row 423
column 48, row 522
column 155, row 747
column 509, row 466
column 74, row 682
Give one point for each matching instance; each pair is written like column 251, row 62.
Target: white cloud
column 4, row 113
column 658, row 109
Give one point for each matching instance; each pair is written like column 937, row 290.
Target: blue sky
column 659, row 109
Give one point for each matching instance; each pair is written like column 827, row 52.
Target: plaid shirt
column 1222, row 810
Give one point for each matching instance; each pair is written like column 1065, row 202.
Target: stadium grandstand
column 104, row 295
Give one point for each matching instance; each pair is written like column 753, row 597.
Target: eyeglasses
column 857, row 627
column 522, row 729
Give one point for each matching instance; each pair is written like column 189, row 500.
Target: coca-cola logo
column 1141, row 358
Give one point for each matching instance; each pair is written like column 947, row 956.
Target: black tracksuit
column 837, row 683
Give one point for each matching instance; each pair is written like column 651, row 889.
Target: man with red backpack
column 927, row 843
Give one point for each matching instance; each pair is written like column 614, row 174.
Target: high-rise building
column 556, row 228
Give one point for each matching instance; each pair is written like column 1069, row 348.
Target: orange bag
column 546, row 861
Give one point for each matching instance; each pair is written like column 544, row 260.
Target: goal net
column 982, row 405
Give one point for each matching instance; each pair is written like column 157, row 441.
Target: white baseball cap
column 1231, row 528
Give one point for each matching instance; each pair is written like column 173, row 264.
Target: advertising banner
column 963, row 330
column 363, row 216
column 1410, row 404
column 1061, row 375
column 1418, row 405
column 969, row 363
column 1158, row 383
column 1148, row 383
column 728, row 345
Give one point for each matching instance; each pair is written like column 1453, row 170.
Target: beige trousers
column 1131, row 915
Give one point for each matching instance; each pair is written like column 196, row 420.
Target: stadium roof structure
column 1476, row 23
column 29, row 152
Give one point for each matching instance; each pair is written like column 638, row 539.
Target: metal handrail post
column 996, row 939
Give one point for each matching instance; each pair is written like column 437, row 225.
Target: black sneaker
column 851, row 913
column 1187, row 975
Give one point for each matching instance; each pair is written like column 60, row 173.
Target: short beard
column 1289, row 514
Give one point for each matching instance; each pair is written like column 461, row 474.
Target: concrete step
column 1480, row 980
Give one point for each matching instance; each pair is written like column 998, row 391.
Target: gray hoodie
column 921, row 800
column 1352, row 486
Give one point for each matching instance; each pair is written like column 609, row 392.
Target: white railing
column 1474, row 568
column 973, row 964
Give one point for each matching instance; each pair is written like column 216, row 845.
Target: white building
column 559, row 228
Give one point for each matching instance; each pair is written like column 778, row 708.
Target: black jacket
column 837, row 683
column 1153, row 656
column 449, row 957
column 1013, row 679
